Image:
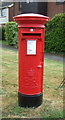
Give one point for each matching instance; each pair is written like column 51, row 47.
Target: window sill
column 2, row 16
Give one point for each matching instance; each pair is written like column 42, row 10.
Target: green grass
column 52, row 106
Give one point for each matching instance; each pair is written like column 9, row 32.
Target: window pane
column 3, row 12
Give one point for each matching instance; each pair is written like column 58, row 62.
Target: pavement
column 55, row 57
column 8, row 47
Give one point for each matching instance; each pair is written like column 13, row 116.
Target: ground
column 52, row 106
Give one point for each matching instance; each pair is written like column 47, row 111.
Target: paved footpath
column 55, row 57
column 50, row 56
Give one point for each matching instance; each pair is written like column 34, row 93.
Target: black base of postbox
column 29, row 100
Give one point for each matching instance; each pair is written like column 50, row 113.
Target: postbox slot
column 32, row 34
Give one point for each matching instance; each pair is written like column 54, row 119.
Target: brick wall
column 16, row 8
column 54, row 8
column 64, row 8
column 13, row 11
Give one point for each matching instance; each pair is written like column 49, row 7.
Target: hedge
column 55, row 34
column 11, row 33
column 2, row 32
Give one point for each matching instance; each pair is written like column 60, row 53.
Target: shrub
column 55, row 39
column 11, row 33
column 2, row 32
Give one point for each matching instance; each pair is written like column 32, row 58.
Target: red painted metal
column 31, row 31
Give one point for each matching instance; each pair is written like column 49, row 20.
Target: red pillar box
column 31, row 58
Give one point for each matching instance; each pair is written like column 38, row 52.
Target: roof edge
column 7, row 6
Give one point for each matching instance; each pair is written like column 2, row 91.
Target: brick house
column 8, row 10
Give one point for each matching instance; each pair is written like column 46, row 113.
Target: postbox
column 31, row 32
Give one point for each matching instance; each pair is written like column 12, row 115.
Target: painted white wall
column 4, row 19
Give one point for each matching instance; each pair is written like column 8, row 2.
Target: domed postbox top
column 31, row 18
column 31, row 15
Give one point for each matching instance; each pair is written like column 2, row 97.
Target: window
column 3, row 12
column 60, row 1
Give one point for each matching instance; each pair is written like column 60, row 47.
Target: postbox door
column 31, row 66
